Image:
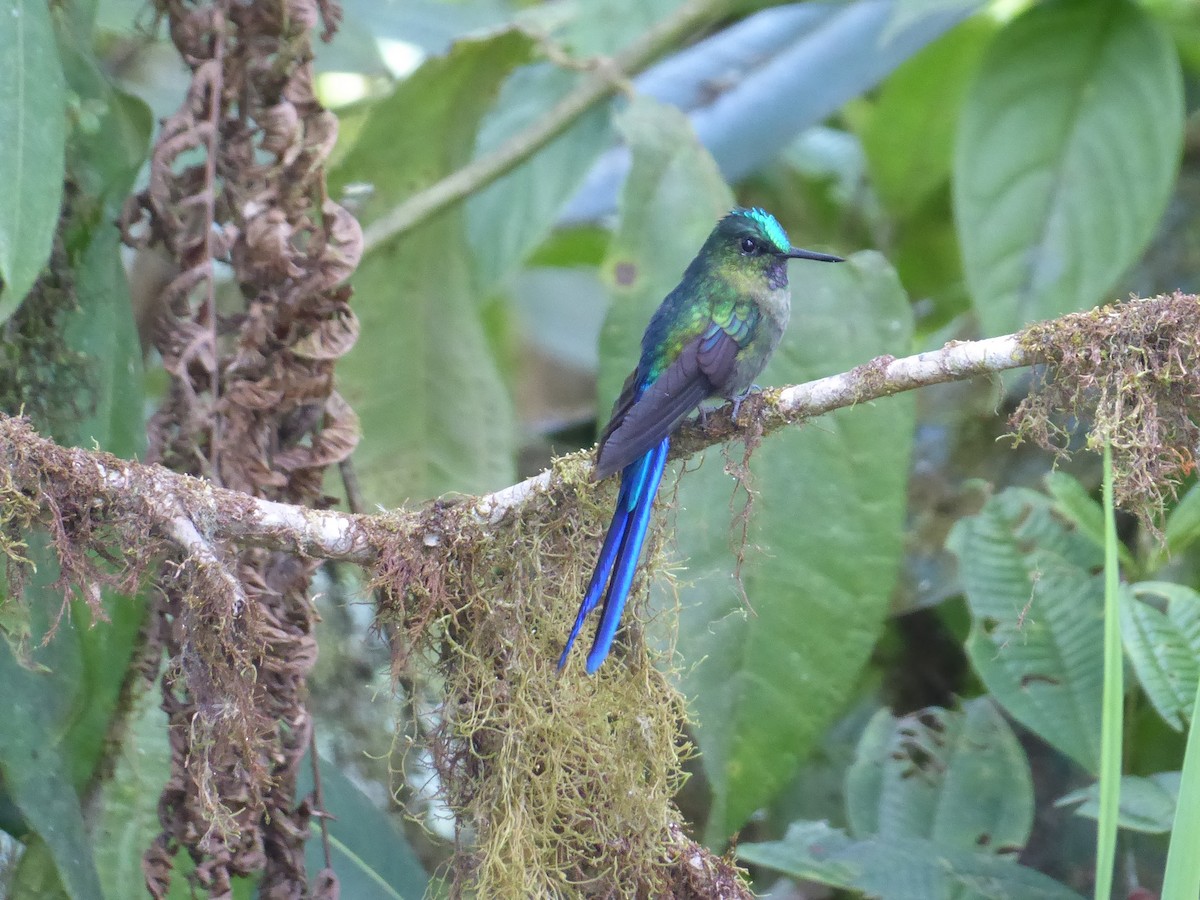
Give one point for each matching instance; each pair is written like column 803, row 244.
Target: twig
column 879, row 378
column 601, row 84
column 207, row 560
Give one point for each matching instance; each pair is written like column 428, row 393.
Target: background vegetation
column 899, row 692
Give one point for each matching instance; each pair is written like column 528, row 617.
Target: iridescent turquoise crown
column 769, row 224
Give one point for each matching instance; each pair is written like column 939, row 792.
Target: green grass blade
column 1182, row 878
column 1114, row 693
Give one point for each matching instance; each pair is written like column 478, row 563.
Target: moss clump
column 562, row 784
column 1130, row 371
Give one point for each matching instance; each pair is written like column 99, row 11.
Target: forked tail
column 620, row 553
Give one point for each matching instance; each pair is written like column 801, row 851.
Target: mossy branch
column 1132, row 355
column 775, row 408
column 192, row 512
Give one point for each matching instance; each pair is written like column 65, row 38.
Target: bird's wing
column 700, row 370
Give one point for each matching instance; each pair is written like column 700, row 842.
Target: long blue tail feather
column 604, row 564
column 620, row 553
column 627, row 559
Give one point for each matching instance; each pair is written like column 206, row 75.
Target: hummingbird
column 711, row 337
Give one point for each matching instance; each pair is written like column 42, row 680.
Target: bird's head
column 751, row 241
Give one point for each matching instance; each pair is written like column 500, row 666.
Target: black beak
column 808, row 254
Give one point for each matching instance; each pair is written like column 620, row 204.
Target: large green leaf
column 36, row 875
column 110, row 135
column 73, row 685
column 1147, row 803
column 1183, row 524
column 102, row 329
column 33, row 126
column 900, row 868
column 105, row 151
column 958, row 778
column 1164, row 647
column 1086, row 515
column 1068, row 146
column 370, row 855
column 604, row 27
column 69, row 690
column 909, row 139
column 822, row 549
column 566, row 332
column 430, row 24
column 125, row 820
column 905, row 13
column 509, row 217
column 926, row 255
column 42, row 763
column 1035, row 591
column 128, row 819
column 422, row 378
column 672, row 199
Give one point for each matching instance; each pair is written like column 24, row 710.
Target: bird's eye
column 749, row 245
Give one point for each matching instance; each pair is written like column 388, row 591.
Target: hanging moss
column 1129, row 373
column 562, row 783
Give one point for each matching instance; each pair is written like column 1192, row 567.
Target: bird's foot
column 738, row 399
column 702, row 417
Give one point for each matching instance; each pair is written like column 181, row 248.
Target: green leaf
column 110, row 136
column 606, row 26
column 823, row 546
column 36, row 876
column 1075, row 504
column 672, row 199
column 128, row 819
column 1035, row 591
column 510, row 217
column 958, row 778
column 899, row 868
column 906, row 13
column 125, row 818
column 435, row 414
column 1183, row 524
column 1147, row 803
column 818, row 790
column 1164, row 647
column 39, row 770
column 33, row 124
column 103, row 330
column 564, row 331
column 107, row 145
column 927, row 258
column 909, row 139
column 430, row 24
column 1181, row 878
column 1067, row 150
column 370, row 855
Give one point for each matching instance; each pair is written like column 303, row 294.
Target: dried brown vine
column 237, row 186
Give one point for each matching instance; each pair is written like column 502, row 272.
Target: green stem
column 597, row 86
column 1113, row 703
